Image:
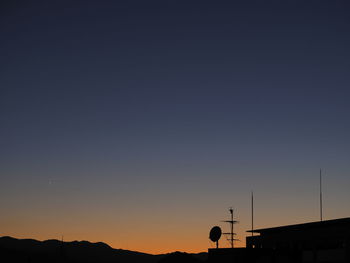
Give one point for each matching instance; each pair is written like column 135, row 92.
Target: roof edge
column 316, row 223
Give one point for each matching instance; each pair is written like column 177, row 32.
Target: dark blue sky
column 196, row 97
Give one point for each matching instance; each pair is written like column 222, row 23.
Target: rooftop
column 333, row 222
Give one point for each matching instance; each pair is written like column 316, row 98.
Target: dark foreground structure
column 324, row 241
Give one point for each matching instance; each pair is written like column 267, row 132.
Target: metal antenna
column 252, row 213
column 231, row 234
column 321, row 208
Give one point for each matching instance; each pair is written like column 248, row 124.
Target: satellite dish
column 215, row 234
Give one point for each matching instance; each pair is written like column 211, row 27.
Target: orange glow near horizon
column 158, row 221
column 153, row 238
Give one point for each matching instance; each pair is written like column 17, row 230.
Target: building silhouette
column 322, row 241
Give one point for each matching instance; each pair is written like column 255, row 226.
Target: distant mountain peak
column 30, row 250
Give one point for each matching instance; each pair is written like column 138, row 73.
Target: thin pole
column 231, row 227
column 252, row 213
column 321, row 212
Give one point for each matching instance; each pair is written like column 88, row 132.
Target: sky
column 140, row 123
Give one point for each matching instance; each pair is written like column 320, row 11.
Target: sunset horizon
column 140, row 124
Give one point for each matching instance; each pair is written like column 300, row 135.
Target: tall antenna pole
column 231, row 211
column 231, row 235
column 252, row 213
column 321, row 217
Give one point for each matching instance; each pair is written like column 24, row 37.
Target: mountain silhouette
column 29, row 250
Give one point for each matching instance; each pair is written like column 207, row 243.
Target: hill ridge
column 53, row 250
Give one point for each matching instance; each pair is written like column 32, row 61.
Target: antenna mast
column 252, row 213
column 321, row 208
column 231, row 234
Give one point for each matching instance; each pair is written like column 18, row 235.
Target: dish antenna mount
column 215, row 234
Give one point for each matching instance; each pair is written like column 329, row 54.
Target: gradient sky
column 139, row 123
